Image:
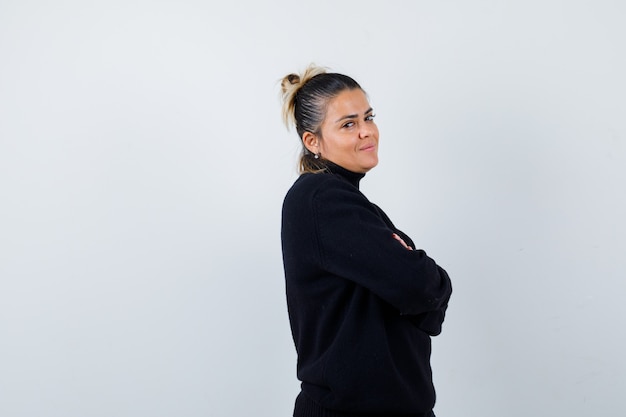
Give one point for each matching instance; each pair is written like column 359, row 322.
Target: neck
column 353, row 178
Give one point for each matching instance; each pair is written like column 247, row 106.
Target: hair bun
column 293, row 78
column 290, row 82
column 290, row 85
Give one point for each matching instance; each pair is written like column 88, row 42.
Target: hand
column 399, row 239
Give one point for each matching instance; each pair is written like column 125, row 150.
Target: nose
column 366, row 130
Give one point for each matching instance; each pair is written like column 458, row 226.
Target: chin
column 367, row 168
column 372, row 164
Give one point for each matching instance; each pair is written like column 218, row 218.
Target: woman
column 362, row 302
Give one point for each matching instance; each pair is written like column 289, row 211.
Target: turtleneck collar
column 352, row 177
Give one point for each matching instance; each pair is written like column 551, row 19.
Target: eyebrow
column 354, row 116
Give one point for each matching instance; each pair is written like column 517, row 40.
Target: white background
column 143, row 164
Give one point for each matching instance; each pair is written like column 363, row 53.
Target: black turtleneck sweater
column 361, row 306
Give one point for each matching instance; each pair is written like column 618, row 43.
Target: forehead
column 348, row 102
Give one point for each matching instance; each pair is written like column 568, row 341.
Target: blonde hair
column 305, row 100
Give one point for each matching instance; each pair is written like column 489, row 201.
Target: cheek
column 324, row 148
column 332, row 146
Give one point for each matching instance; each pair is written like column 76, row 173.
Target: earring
column 316, row 156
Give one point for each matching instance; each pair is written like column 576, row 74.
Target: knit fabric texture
column 362, row 307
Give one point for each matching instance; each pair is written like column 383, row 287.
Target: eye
column 370, row 118
column 348, row 124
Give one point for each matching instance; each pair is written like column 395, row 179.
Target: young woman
column 363, row 302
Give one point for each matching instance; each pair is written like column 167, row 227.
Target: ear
column 311, row 142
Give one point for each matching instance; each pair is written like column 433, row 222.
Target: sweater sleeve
column 356, row 244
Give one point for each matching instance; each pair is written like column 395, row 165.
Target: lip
column 368, row 148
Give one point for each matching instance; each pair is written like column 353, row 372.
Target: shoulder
column 324, row 194
column 324, row 185
column 312, row 186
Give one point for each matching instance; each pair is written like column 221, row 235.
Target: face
column 349, row 135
